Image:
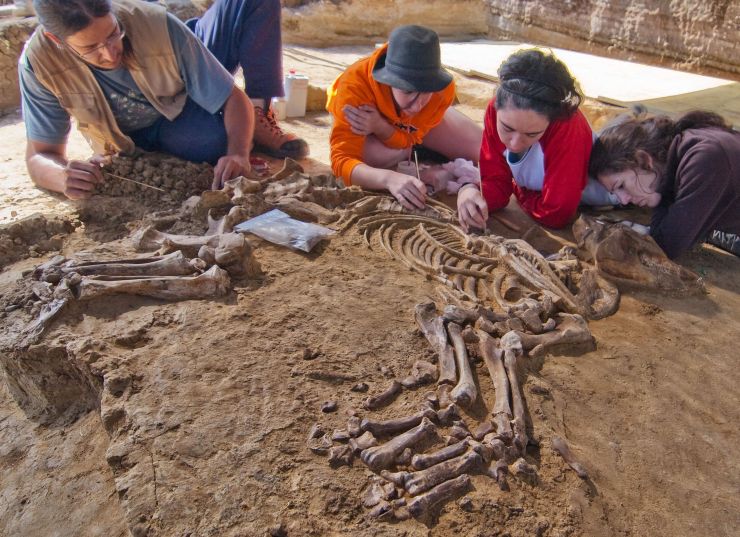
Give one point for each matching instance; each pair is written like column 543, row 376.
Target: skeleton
column 629, row 258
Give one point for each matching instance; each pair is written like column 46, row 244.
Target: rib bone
column 214, row 282
column 465, row 393
column 423, row 480
column 381, row 457
column 421, row 506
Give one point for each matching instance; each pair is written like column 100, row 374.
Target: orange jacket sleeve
column 355, row 87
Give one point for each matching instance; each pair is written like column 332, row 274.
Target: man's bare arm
column 239, row 125
column 49, row 168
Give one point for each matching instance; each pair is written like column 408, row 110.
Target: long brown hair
column 616, row 148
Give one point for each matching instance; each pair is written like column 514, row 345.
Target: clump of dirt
column 33, row 236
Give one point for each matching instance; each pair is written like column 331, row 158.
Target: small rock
column 278, row 531
column 466, row 504
column 329, row 406
column 360, row 387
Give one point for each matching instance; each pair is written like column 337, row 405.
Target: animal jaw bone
column 214, row 282
column 384, row 456
column 465, row 392
column 629, row 258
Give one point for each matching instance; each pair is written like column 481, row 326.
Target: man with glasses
column 133, row 75
column 384, row 104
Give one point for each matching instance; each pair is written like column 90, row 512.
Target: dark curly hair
column 616, row 148
column 63, row 18
column 533, row 79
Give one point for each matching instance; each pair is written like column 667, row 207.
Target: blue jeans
column 238, row 33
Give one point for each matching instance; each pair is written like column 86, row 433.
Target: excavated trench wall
column 701, row 36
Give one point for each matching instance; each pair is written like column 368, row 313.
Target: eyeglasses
column 115, row 38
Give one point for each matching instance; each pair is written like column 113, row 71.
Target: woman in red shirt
column 536, row 144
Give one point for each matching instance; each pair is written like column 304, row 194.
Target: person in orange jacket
column 386, row 103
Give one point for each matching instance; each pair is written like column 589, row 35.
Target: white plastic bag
column 279, row 228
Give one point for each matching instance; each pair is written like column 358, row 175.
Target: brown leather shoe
column 271, row 140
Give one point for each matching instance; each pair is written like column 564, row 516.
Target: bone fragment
column 384, row 398
column 404, row 459
column 340, row 435
column 373, row 495
column 148, row 238
column 483, row 429
column 422, row 372
column 424, row 480
column 214, row 282
column 501, row 412
column 524, row 470
column 425, row 460
column 382, row 457
column 397, row 478
column 290, row 167
column 570, row 331
column 234, row 254
column 395, row 426
column 498, row 448
column 448, row 415
column 33, row 331
column 465, row 393
column 460, row 430
column 360, row 387
column 443, row 395
column 320, row 445
column 560, row 446
column 353, row 426
column 340, row 456
column 499, row 471
column 362, row 442
column 422, row 505
column 432, row 326
column 512, row 346
column 174, row 264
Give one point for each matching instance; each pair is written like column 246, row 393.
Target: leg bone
column 381, row 457
column 465, row 393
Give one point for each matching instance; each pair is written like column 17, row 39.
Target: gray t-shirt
column 207, row 83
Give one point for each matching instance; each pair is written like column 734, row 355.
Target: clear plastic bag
column 279, row 228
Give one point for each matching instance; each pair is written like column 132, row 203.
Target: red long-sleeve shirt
column 566, row 145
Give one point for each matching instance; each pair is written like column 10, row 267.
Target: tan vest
column 153, row 68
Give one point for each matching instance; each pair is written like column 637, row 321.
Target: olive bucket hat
column 412, row 61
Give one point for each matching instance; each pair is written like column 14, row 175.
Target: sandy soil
column 206, row 432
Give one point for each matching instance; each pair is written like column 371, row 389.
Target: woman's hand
column 472, row 209
column 408, row 190
column 366, row 120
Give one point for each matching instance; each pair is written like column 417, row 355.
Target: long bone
column 214, row 282
column 398, row 425
column 423, row 480
column 383, row 398
column 148, row 238
column 423, row 504
column 421, row 461
column 174, row 264
column 433, row 329
column 465, row 393
column 381, row 457
column 501, row 412
column 512, row 346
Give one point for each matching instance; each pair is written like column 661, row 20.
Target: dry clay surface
column 200, row 410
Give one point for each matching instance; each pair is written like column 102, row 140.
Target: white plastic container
column 296, row 93
column 280, row 108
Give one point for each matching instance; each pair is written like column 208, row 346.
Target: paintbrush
column 109, row 174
